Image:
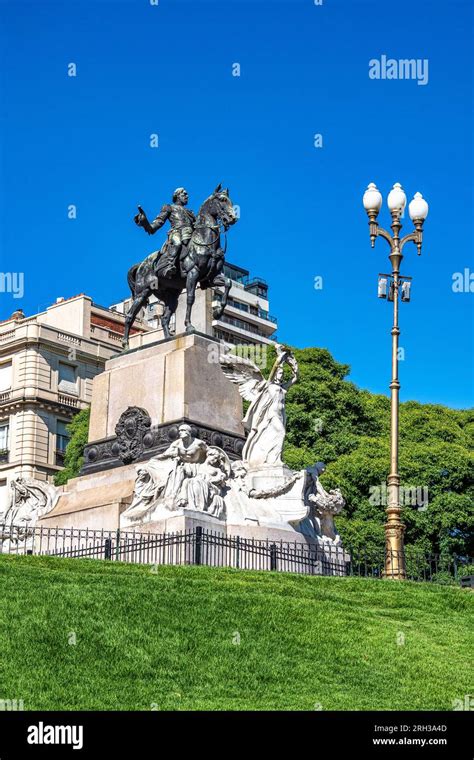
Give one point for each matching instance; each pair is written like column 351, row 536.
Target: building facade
column 47, row 363
column 246, row 319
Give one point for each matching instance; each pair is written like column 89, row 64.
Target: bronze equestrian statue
column 192, row 254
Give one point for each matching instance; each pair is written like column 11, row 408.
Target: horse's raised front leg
column 226, row 282
column 192, row 278
column 137, row 304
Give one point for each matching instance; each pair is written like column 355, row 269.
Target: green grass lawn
column 199, row 638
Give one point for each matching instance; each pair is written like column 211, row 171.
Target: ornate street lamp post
column 390, row 287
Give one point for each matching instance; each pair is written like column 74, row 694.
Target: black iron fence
column 202, row 547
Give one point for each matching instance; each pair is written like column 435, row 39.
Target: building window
column 241, row 325
column 238, row 304
column 258, row 287
column 237, row 274
column 4, row 436
column 67, row 382
column 5, row 376
column 62, row 440
column 233, row 339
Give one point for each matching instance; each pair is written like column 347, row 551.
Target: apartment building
column 47, row 363
column 246, row 318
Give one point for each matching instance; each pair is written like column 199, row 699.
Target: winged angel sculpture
column 265, row 420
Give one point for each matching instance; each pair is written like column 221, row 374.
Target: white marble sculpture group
column 259, row 489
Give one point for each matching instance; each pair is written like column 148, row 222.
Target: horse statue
column 201, row 261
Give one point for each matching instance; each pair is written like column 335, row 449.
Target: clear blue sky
column 143, row 69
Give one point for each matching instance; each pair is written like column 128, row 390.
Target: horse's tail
column 131, row 278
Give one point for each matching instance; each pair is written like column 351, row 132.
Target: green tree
column 73, row 459
column 331, row 420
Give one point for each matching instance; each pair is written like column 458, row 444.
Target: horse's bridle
column 222, row 229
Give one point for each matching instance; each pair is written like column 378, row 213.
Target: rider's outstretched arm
column 159, row 220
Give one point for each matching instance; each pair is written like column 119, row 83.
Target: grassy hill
column 85, row 634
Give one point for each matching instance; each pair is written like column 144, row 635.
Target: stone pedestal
column 172, row 381
column 289, row 503
column 93, row 501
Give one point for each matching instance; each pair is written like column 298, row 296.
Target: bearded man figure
column 182, row 221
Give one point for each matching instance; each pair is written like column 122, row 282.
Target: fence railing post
column 198, row 546
column 108, row 548
column 348, row 562
column 273, row 557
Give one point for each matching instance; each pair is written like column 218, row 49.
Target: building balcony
column 7, row 335
column 67, row 400
column 257, row 321
column 4, row 456
column 250, row 307
column 250, row 310
column 21, row 395
column 245, row 329
column 5, row 396
column 102, row 344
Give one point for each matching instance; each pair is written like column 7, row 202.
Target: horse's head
column 221, row 207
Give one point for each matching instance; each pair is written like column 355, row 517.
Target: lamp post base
column 394, row 547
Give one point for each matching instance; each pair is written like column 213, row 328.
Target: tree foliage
column 78, row 429
column 331, row 420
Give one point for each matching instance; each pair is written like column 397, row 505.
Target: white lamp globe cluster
column 396, row 202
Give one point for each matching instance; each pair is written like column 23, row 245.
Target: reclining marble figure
column 154, row 481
